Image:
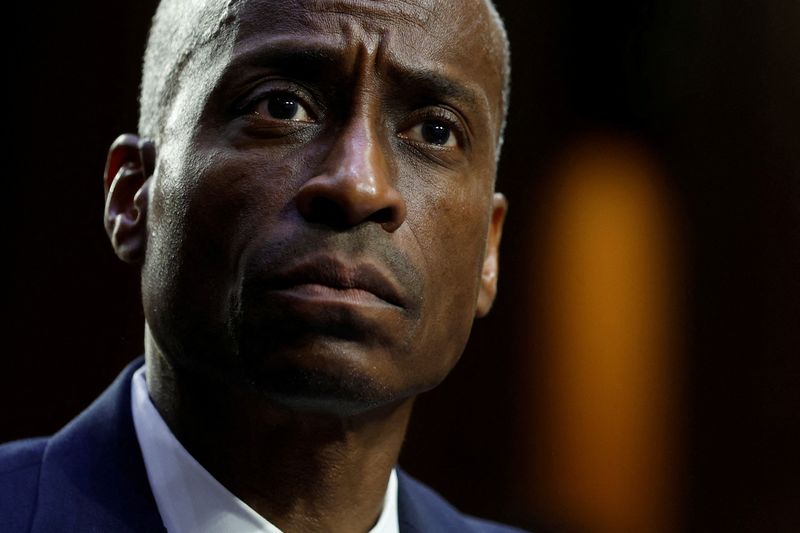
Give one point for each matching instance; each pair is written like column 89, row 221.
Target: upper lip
column 333, row 272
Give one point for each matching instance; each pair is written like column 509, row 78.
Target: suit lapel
column 421, row 510
column 93, row 476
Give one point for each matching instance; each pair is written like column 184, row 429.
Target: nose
column 355, row 184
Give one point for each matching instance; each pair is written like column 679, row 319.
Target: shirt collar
column 188, row 497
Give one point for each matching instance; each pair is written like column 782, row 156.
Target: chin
column 319, row 392
column 326, row 376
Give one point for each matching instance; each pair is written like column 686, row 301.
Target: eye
column 435, row 132
column 283, row 106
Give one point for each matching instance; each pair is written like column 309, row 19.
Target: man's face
column 322, row 223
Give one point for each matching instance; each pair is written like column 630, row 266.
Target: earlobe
column 490, row 272
column 129, row 167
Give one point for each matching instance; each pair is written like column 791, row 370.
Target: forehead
column 456, row 38
column 376, row 14
column 436, row 25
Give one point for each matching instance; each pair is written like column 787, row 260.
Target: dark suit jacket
column 90, row 477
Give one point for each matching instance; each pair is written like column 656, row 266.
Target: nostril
column 342, row 203
column 322, row 210
column 384, row 216
column 326, row 211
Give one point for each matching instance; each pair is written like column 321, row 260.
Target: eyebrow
column 428, row 81
column 317, row 59
column 287, row 54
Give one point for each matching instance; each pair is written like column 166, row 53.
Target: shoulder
column 423, row 509
column 20, row 465
column 20, row 460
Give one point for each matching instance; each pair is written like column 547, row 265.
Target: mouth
column 327, row 279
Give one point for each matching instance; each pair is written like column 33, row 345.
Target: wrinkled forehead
column 457, row 37
column 429, row 26
column 419, row 12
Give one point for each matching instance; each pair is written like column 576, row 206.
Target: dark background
column 710, row 87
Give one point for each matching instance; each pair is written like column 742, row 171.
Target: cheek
column 203, row 217
column 449, row 226
column 449, row 223
column 225, row 203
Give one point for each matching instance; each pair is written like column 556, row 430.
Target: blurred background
column 641, row 369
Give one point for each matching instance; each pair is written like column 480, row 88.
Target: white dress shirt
column 188, row 497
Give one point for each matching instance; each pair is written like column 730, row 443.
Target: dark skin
column 317, row 228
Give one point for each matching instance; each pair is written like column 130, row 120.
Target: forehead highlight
column 372, row 15
column 417, row 12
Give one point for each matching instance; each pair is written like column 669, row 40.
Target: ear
column 488, row 288
column 130, row 164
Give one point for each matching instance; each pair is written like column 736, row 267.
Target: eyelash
column 438, row 113
column 247, row 104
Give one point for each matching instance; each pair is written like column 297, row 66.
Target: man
column 311, row 200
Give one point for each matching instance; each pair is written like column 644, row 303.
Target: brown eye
column 434, row 132
column 283, row 106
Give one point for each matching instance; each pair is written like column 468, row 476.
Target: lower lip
column 323, row 294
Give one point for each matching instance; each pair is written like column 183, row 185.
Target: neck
column 302, row 471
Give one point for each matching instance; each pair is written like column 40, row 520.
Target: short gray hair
column 179, row 27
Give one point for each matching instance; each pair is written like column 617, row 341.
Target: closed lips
column 339, row 276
